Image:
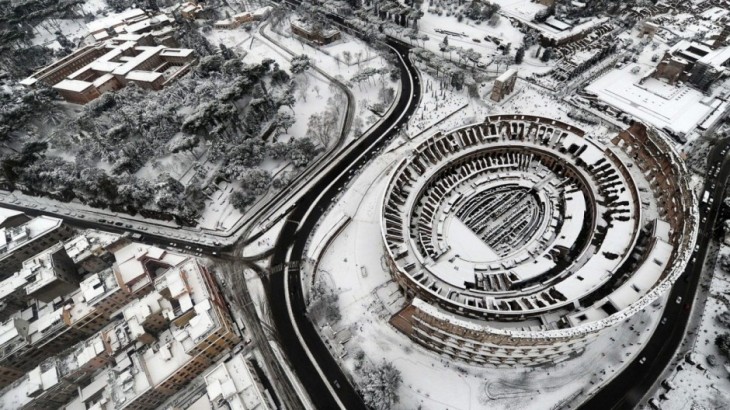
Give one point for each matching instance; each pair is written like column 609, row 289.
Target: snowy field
column 353, row 265
column 702, row 385
column 343, row 59
column 470, row 34
column 439, row 102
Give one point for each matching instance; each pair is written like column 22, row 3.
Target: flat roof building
column 19, row 243
column 234, row 385
column 90, row 71
column 45, row 277
column 178, row 330
column 55, row 381
column 313, row 33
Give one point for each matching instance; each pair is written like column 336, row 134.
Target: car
column 336, row 383
column 678, row 300
column 118, row 223
column 664, row 320
column 128, row 225
column 642, row 360
column 102, row 220
column 476, row 40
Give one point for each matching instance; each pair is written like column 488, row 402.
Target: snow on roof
column 176, row 52
column 507, row 74
column 130, row 37
column 690, row 50
column 89, row 350
column 233, row 381
column 714, row 13
column 678, row 108
column 6, row 213
column 28, row 81
column 72, row 85
column 101, row 35
column 130, row 270
column 44, row 322
column 136, row 61
column 560, row 33
column 716, row 58
column 143, row 76
column 113, row 19
column 138, row 311
column 104, row 66
column 716, row 115
column 12, row 238
column 41, row 268
column 557, row 24
column 11, row 329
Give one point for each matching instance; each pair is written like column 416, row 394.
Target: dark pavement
column 294, row 235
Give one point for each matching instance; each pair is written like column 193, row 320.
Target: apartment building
column 44, row 277
column 19, row 243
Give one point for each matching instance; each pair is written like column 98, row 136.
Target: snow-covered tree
column 379, row 386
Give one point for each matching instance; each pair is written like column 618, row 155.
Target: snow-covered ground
column 266, row 241
column 333, row 59
column 443, row 108
column 313, row 92
column 702, row 385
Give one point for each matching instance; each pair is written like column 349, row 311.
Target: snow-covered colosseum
column 518, row 240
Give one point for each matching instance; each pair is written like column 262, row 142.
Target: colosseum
column 519, row 240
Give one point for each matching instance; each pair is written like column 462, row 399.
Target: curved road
column 627, row 389
column 320, row 374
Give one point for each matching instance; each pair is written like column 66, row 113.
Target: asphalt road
column 627, row 389
column 290, row 245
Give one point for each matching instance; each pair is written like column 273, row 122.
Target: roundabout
column 519, row 239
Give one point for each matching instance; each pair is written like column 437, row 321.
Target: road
column 236, row 288
column 627, row 389
column 332, row 389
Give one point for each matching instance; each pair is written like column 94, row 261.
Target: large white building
column 517, row 240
